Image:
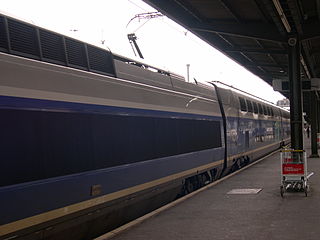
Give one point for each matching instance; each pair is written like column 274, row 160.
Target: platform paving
column 214, row 214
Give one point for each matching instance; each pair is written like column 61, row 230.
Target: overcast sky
column 163, row 43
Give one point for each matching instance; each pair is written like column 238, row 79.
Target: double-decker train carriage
column 91, row 140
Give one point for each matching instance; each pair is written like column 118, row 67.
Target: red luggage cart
column 293, row 171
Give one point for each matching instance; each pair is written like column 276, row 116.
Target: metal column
column 314, row 125
column 318, row 114
column 295, row 93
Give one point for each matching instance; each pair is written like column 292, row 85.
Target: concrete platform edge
column 140, row 220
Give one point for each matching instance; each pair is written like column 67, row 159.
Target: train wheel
column 207, row 178
column 236, row 166
column 189, row 186
column 306, row 190
column 214, row 174
column 201, row 180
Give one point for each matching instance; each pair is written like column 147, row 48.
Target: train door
column 246, row 139
column 281, row 126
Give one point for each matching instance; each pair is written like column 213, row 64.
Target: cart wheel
column 281, row 191
column 306, row 191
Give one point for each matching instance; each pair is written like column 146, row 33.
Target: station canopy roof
column 254, row 33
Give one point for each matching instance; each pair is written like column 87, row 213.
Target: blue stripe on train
column 50, row 105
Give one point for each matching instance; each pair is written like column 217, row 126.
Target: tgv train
column 90, row 140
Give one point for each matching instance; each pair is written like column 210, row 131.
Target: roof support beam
column 317, row 70
column 314, row 52
column 318, row 8
column 192, row 11
column 261, row 31
column 266, row 65
column 314, row 123
column 227, row 6
column 274, row 74
column 283, row 68
column 310, row 31
column 259, row 50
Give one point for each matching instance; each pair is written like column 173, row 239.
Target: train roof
column 49, row 46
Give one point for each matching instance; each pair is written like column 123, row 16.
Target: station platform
column 216, row 214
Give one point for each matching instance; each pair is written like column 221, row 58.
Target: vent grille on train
column 100, row 60
column 52, row 47
column 23, row 39
column 3, row 34
column 76, row 53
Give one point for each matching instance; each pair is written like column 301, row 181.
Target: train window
column 265, row 111
column 260, row 108
column 272, row 113
column 249, row 105
column 243, row 105
column 268, row 111
column 255, row 107
column 287, row 115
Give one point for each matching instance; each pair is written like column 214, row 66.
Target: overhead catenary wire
column 164, row 20
column 175, row 28
column 137, row 5
column 141, row 25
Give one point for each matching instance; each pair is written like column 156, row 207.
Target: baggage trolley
column 293, row 171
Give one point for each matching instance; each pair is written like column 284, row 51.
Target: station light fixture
column 283, row 18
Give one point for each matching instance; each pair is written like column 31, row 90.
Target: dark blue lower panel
column 25, row 200
column 39, row 144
